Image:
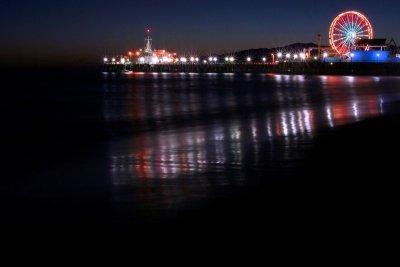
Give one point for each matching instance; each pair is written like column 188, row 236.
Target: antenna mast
column 148, row 41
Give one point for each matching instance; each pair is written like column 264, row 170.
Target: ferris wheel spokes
column 346, row 29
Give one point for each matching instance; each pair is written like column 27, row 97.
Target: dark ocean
column 185, row 152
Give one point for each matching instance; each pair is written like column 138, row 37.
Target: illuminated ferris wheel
column 346, row 29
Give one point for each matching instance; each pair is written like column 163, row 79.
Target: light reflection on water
column 210, row 130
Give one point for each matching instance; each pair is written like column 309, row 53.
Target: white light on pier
column 288, row 55
column 279, row 55
column 264, row 59
column 248, row 59
column 325, row 55
column 105, row 59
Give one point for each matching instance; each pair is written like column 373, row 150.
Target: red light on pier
column 148, row 30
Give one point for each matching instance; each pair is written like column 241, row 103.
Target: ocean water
column 155, row 149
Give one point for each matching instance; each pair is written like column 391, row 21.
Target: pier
column 298, row 68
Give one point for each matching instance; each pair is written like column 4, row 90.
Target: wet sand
column 359, row 154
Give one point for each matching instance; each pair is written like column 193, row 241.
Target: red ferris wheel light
column 346, row 28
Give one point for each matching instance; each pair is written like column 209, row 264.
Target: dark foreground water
column 164, row 152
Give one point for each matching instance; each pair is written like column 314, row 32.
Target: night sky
column 78, row 32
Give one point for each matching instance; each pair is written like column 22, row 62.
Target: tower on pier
column 149, row 55
column 148, row 42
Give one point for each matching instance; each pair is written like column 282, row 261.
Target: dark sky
column 83, row 31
